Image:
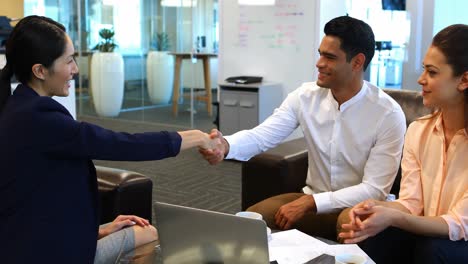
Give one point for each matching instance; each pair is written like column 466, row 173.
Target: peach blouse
column 434, row 181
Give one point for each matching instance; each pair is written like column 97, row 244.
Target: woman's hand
column 120, row 222
column 364, row 206
column 211, row 141
column 197, row 138
column 369, row 220
column 218, row 150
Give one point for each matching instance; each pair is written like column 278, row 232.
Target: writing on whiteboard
column 255, row 25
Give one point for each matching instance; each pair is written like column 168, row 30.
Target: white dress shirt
column 354, row 149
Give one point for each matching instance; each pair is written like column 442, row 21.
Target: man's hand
column 120, row 222
column 290, row 213
column 216, row 153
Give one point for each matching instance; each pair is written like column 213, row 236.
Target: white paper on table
column 293, row 237
column 296, row 247
column 347, row 249
column 293, row 255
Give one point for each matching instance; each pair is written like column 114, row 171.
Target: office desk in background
column 179, row 57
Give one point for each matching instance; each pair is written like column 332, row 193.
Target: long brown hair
column 452, row 42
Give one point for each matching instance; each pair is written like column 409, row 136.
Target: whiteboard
column 269, row 41
column 279, row 43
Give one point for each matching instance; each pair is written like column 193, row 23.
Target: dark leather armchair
column 123, row 192
column 284, row 169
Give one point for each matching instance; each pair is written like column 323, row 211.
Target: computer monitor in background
column 394, row 4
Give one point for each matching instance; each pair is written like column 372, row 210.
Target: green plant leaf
column 107, row 44
column 162, row 42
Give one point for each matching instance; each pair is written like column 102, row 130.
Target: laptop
column 190, row 235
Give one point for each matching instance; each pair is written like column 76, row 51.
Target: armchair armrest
column 279, row 170
column 123, row 192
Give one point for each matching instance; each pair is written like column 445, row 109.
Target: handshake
column 214, row 147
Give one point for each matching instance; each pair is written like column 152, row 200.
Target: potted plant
column 107, row 76
column 160, row 70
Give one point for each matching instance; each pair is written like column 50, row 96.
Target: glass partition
column 149, row 35
column 392, row 32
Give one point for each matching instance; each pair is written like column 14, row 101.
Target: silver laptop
column 189, row 235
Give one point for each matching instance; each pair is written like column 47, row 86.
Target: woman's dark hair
column 356, row 37
column 34, row 40
column 452, row 42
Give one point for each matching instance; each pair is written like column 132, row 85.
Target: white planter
column 160, row 76
column 107, row 83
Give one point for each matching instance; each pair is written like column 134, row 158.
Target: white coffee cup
column 349, row 259
column 252, row 215
column 269, row 234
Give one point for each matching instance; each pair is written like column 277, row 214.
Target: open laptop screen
column 189, row 235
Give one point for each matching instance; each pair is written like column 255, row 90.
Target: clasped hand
column 367, row 219
column 209, row 142
column 216, row 148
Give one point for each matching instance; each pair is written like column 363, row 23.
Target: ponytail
column 5, row 85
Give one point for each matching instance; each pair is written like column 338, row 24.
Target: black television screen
column 394, row 4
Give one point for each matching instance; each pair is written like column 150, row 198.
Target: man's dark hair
column 356, row 37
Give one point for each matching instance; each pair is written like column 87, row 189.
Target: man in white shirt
column 354, row 134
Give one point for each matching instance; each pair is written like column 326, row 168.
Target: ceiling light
column 179, row 3
column 257, row 2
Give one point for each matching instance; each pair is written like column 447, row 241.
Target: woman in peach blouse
column 429, row 221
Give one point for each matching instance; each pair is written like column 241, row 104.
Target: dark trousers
column 394, row 245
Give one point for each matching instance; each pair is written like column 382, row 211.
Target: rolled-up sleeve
column 434, row 181
column 457, row 219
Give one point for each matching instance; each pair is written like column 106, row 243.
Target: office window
column 124, row 17
column 189, row 25
column 392, row 30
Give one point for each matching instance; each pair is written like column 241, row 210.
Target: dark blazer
column 48, row 188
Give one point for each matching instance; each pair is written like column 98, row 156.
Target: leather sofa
column 123, row 192
column 283, row 169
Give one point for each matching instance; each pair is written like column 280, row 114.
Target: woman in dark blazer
column 48, row 187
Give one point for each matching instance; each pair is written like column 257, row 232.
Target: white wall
column 326, row 11
column 427, row 18
column 2, row 61
column 289, row 66
column 250, row 42
column 448, row 12
column 421, row 14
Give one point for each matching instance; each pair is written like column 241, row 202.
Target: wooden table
column 89, row 55
column 179, row 57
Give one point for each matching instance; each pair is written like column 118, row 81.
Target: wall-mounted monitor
column 394, row 4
